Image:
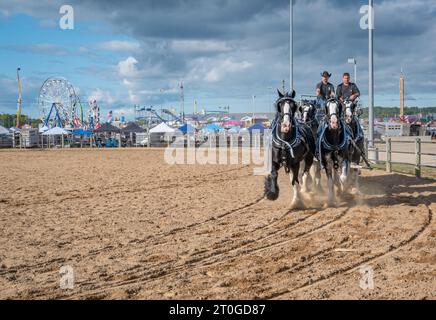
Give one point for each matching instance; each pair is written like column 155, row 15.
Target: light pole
column 270, row 89
column 371, row 75
column 291, row 35
column 354, row 62
column 254, row 105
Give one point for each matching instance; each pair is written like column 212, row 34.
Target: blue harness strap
column 280, row 143
column 323, row 143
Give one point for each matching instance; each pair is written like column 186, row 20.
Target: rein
column 359, row 134
column 280, row 143
column 325, row 145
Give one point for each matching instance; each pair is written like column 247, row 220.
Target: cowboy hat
column 326, row 74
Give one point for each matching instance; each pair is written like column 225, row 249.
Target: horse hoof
column 356, row 192
column 297, row 205
column 272, row 196
column 347, row 196
column 271, row 189
column 331, row 203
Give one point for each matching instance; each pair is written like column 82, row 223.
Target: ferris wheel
column 57, row 103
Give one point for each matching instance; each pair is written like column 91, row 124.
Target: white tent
column 56, row 131
column 162, row 128
column 3, row 130
column 43, row 129
column 13, row 129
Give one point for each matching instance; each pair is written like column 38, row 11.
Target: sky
column 123, row 53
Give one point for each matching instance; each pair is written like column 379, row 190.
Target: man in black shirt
column 347, row 90
column 324, row 90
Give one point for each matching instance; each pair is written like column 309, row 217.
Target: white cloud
column 224, row 68
column 127, row 68
column 102, row 96
column 117, row 45
column 124, row 111
column 133, row 97
column 200, row 46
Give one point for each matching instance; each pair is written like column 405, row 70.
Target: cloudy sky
column 225, row 51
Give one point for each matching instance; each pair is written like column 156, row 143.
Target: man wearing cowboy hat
column 324, row 90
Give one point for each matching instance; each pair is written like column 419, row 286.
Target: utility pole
column 402, row 95
column 291, row 34
column 270, row 89
column 371, row 75
column 182, row 101
column 19, row 101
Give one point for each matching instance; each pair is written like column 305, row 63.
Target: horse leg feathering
column 331, row 188
column 296, row 200
column 271, row 186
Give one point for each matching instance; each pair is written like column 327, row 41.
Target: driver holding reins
column 347, row 90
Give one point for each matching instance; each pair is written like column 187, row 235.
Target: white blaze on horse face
column 286, row 125
column 348, row 114
column 333, row 117
column 305, row 114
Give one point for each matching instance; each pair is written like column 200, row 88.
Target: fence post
column 418, row 157
column 389, row 155
column 366, row 147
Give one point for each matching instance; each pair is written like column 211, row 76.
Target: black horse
column 310, row 116
column 352, row 120
column 334, row 148
column 292, row 143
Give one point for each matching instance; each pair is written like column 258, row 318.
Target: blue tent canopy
column 212, row 128
column 81, row 132
column 235, row 129
column 187, row 128
column 257, row 127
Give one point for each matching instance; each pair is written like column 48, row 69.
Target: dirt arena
column 133, row 227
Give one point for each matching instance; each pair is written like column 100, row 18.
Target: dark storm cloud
column 237, row 48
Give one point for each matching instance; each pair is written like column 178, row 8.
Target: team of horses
column 307, row 140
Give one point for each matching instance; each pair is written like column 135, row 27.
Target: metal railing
column 416, row 150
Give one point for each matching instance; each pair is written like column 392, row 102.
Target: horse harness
column 287, row 146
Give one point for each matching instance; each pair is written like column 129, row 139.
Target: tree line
column 10, row 120
column 385, row 112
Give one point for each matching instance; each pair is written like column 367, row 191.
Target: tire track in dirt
column 35, row 267
column 357, row 265
column 81, row 195
column 160, row 272
column 24, row 268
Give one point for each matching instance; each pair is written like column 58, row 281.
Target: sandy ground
column 132, row 227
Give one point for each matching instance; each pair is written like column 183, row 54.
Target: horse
column 309, row 116
column 292, row 143
column 334, row 148
column 352, row 121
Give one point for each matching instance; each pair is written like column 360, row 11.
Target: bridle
column 309, row 120
column 284, row 100
column 329, row 115
column 277, row 139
